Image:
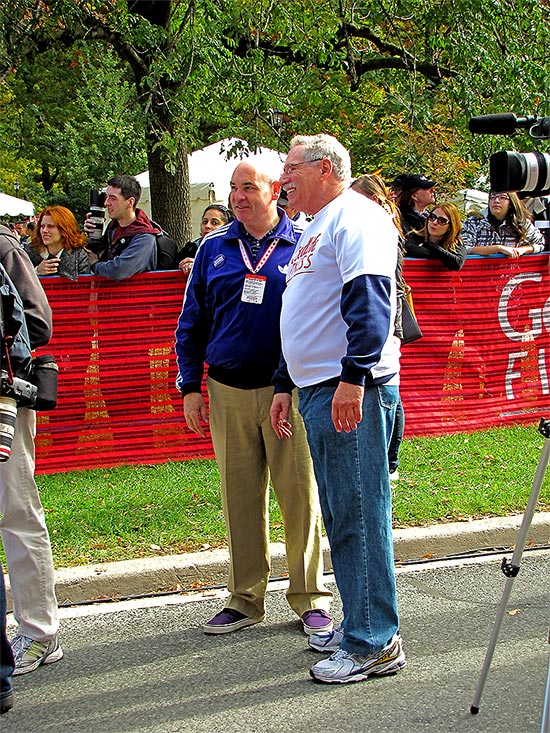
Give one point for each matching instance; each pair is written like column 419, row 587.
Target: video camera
column 527, row 173
column 23, row 392
column 97, row 217
column 14, row 393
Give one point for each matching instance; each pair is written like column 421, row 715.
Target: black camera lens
column 97, row 214
column 97, row 198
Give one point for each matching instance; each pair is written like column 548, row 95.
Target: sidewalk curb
column 193, row 570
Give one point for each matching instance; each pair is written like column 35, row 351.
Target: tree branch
column 358, row 62
column 93, row 31
column 157, row 12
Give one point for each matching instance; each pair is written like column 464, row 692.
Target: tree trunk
column 170, row 192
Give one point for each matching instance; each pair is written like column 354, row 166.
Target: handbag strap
column 409, row 297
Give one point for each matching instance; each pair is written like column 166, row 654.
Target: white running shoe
column 344, row 667
column 30, row 654
column 328, row 641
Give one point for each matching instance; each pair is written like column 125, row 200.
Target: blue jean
column 354, row 490
column 396, row 437
column 6, row 654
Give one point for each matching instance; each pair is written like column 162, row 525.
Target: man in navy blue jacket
column 230, row 319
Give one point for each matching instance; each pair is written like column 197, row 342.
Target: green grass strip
column 142, row 511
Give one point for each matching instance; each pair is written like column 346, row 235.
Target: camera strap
column 6, row 361
column 15, row 335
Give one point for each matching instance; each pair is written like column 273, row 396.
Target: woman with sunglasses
column 506, row 229
column 439, row 238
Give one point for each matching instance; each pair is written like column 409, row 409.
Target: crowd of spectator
column 429, row 229
column 264, row 221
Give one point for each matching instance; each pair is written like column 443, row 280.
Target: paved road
column 145, row 667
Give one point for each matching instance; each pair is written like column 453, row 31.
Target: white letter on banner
column 534, row 314
column 543, row 371
column 546, row 315
column 511, row 374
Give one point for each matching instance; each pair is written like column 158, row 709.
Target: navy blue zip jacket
column 239, row 341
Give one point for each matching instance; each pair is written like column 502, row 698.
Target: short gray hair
column 326, row 146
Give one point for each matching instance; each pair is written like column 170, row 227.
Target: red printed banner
column 117, row 404
column 484, row 360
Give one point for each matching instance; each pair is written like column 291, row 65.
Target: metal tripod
column 511, row 569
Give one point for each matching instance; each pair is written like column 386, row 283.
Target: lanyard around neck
column 266, row 255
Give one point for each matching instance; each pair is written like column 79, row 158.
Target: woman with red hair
column 57, row 245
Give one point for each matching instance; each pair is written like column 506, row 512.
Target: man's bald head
column 254, row 193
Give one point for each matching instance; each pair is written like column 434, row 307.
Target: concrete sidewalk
column 193, row 570
column 145, row 666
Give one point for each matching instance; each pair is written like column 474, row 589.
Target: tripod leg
column 545, row 726
column 474, row 709
column 512, row 569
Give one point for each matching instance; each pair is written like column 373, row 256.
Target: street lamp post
column 16, row 187
column 276, row 120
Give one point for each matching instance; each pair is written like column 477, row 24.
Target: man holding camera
column 127, row 248
column 129, row 245
column 24, row 533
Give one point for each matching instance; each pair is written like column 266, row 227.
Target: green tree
column 77, row 125
column 414, row 71
column 396, row 80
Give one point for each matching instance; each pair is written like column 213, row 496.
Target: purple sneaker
column 228, row 620
column 316, row 621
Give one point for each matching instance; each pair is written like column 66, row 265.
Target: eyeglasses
column 499, row 197
column 291, row 167
column 439, row 219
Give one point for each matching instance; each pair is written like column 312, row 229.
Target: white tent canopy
column 210, row 172
column 12, row 206
column 470, row 200
column 201, row 195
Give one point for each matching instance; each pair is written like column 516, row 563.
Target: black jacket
column 416, row 247
column 71, row 264
column 411, row 219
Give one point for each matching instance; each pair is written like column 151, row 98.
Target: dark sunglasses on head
column 439, row 219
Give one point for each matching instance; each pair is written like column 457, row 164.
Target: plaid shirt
column 479, row 232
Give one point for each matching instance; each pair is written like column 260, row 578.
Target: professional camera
column 97, row 215
column 23, row 392
column 527, row 173
column 14, row 393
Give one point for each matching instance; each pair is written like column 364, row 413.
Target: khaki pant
column 248, row 452
column 25, row 537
